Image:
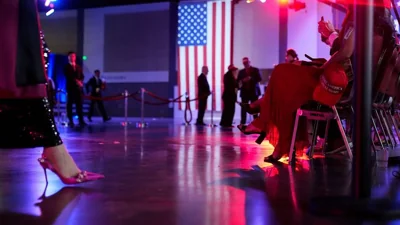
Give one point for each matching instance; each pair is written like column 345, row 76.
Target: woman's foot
column 58, row 160
column 61, row 160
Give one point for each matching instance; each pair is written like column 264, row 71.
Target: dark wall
column 61, row 34
column 132, row 43
column 136, row 41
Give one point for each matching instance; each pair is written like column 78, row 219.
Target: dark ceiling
column 76, row 4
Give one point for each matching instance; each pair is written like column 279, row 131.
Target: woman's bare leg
column 61, row 160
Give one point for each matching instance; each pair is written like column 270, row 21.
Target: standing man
column 94, row 86
column 229, row 97
column 74, row 77
column 203, row 92
column 248, row 82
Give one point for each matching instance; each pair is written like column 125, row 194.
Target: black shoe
column 82, row 124
column 200, row 124
column 106, row 119
column 243, row 127
column 248, row 109
column 71, row 124
column 89, row 119
column 226, row 126
column 271, row 159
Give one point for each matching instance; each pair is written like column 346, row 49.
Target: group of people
column 318, row 83
column 324, row 82
column 27, row 119
column 247, row 80
column 74, row 87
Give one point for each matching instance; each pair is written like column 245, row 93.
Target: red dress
column 281, row 101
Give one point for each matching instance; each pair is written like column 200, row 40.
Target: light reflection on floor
column 172, row 174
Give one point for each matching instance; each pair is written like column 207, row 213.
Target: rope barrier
column 163, row 101
column 188, row 115
column 108, row 98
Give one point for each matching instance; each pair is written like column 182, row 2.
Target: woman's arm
column 346, row 49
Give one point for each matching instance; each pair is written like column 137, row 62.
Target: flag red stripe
column 187, row 71
column 196, row 69
column 179, row 78
column 219, row 57
column 214, row 72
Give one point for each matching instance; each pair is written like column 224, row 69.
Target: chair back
column 390, row 75
column 398, row 90
column 393, row 86
column 387, row 62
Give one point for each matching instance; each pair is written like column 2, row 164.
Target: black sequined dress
column 26, row 119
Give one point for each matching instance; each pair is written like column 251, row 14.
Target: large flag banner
column 204, row 39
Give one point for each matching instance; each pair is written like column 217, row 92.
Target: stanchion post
column 126, row 95
column 142, row 106
column 141, row 124
column 61, row 115
column 187, row 101
column 212, row 110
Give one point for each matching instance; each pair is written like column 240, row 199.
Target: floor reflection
column 58, row 208
column 176, row 175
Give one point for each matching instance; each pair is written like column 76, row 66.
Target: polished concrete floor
column 169, row 174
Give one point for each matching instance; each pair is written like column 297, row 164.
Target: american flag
column 204, row 39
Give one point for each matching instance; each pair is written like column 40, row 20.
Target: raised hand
column 325, row 28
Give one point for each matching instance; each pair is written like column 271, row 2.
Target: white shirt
column 332, row 38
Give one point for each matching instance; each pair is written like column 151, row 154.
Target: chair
column 385, row 94
column 318, row 115
column 385, row 56
column 385, row 91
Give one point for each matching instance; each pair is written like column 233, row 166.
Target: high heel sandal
column 81, row 177
column 261, row 137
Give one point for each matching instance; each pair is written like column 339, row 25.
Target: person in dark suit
column 94, row 86
column 74, row 77
column 229, row 97
column 248, row 83
column 203, row 92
